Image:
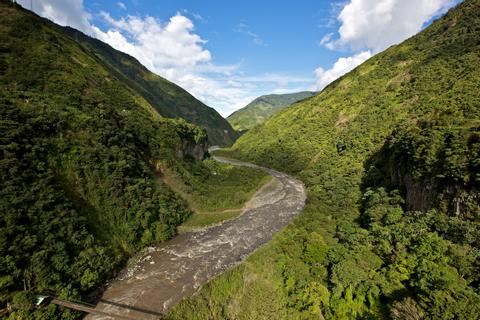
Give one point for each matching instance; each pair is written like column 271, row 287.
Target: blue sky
column 230, row 28
column 226, row 53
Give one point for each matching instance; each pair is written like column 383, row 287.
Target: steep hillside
column 390, row 155
column 257, row 111
column 81, row 157
column 167, row 98
column 78, row 152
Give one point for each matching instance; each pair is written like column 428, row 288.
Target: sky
column 227, row 53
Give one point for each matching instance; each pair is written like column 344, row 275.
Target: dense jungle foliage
column 257, row 111
column 79, row 156
column 390, row 157
column 78, row 193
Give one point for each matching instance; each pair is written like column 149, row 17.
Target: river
column 162, row 275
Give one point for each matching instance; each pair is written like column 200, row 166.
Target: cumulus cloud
column 377, row 24
column 341, row 67
column 158, row 46
column 229, row 92
column 370, row 26
column 174, row 51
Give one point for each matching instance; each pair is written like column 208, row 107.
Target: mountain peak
column 257, row 111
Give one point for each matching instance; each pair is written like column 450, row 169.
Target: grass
column 219, row 191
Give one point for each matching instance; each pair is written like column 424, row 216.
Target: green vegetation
column 164, row 96
column 217, row 186
column 257, row 111
column 390, row 157
column 79, row 154
column 215, row 191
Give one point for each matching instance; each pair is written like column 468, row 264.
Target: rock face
column 193, row 149
column 426, row 193
column 434, row 166
column 456, row 199
column 419, row 196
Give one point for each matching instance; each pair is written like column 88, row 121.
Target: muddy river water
column 161, row 276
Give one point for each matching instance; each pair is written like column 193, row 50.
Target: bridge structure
column 82, row 306
column 88, row 309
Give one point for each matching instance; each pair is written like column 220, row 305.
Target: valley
column 357, row 201
column 164, row 274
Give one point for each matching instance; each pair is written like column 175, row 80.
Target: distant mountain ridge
column 257, row 111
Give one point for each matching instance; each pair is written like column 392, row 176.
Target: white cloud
column 245, row 29
column 326, row 39
column 66, row 13
column 377, row 24
column 195, row 15
column 121, row 5
column 158, row 46
column 174, row 51
column 370, row 26
column 234, row 91
column 341, row 67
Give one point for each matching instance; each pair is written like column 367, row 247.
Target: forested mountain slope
column 390, row 154
column 167, row 98
column 257, row 111
column 80, row 156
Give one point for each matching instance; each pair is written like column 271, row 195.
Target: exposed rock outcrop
column 192, row 148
